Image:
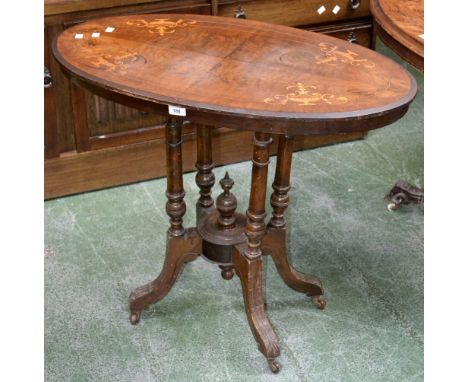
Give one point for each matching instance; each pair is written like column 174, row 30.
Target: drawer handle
column 68, row 24
column 240, row 13
column 354, row 4
column 352, row 38
column 47, row 78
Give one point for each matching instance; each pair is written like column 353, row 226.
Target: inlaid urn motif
column 332, row 55
column 161, row 26
column 305, row 95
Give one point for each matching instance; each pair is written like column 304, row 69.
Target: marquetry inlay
column 305, row 95
column 161, row 26
column 332, row 55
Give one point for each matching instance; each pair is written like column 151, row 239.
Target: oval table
column 238, row 74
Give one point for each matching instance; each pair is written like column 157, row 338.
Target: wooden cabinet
column 92, row 142
column 295, row 12
column 356, row 32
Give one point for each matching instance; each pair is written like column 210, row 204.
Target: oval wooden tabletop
column 239, row 73
column 404, row 22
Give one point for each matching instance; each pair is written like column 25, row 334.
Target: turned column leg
column 205, row 178
column 182, row 245
column 175, row 206
column 281, row 185
column 247, row 258
column 274, row 242
column 256, row 228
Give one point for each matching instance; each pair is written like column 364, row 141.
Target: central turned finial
column 226, row 203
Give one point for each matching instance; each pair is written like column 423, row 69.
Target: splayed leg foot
column 274, row 244
column 180, row 250
column 250, row 272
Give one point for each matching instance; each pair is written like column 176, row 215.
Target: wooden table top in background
column 402, row 21
column 241, row 73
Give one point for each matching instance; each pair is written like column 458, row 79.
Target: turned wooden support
column 205, row 178
column 175, row 206
column 227, row 272
column 226, row 204
column 255, row 228
column 281, row 185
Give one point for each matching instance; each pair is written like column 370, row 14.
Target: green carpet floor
column 100, row 245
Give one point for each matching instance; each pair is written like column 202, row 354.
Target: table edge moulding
column 255, row 120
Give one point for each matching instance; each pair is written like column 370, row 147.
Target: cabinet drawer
column 295, row 12
column 354, row 32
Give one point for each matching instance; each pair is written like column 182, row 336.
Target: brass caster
column 392, row 206
column 274, row 366
column 403, row 193
column 135, row 318
column 227, row 273
column 319, row 302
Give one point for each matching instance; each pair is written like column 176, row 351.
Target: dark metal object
column 70, row 23
column 47, row 78
column 354, row 4
column 240, row 13
column 352, row 37
column 404, row 193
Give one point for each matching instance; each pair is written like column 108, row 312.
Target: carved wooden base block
column 186, row 248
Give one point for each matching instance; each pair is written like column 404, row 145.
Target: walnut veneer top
column 403, row 20
column 243, row 73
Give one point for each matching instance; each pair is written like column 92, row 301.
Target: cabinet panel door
column 108, row 124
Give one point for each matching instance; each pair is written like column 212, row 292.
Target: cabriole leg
column 250, row 272
column 274, row 242
column 179, row 251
